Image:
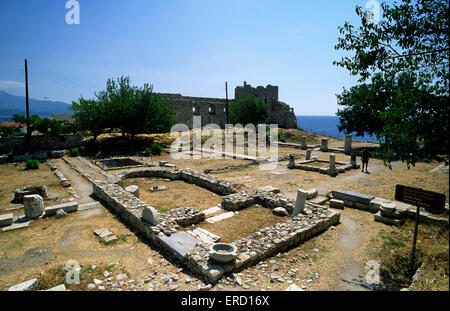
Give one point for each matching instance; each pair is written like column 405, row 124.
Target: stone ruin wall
column 213, row 110
column 262, row 244
column 280, row 112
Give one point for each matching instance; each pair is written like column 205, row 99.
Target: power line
column 62, row 79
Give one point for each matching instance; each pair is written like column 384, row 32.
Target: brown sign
column 428, row 199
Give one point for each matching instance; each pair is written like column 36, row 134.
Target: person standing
column 365, row 159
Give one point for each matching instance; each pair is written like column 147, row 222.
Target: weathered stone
column 28, row 190
column 69, row 207
column 332, row 161
column 303, row 142
column 151, row 215
column 387, row 220
column 60, row 213
column 134, row 190
column 291, row 164
column 300, row 202
column 6, row 219
column 387, row 208
column 223, row 252
column 25, row 286
column 220, row 217
column 280, row 211
column 33, row 205
column 324, row 146
column 308, row 154
column 350, row 196
column 320, row 200
column 269, row 189
column 361, row 206
column 334, row 203
column 102, row 233
column 179, row 243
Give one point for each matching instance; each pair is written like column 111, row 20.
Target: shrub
column 281, row 138
column 32, row 164
column 73, row 152
column 156, row 149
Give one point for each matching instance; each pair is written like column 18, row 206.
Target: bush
column 6, row 130
column 73, row 152
column 281, row 138
column 156, row 149
column 32, row 164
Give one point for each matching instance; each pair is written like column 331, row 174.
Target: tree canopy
column 132, row 109
column 248, row 110
column 402, row 63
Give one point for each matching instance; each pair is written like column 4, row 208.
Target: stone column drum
column 348, row 144
column 291, row 161
column 303, row 142
column 308, row 154
column 324, row 144
column 33, row 206
column 332, row 161
column 300, row 202
column 134, row 190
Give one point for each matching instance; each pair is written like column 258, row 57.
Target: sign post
column 420, row 198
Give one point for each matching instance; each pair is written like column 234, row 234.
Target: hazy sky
column 190, row 47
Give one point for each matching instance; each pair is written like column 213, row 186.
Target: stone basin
column 223, row 252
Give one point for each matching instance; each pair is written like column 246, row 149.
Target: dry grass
column 13, row 176
column 239, row 226
column 177, row 194
column 392, row 246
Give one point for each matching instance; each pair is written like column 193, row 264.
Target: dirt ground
column 14, row 176
column 177, row 194
column 334, row 260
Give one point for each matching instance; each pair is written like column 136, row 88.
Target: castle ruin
column 213, row 110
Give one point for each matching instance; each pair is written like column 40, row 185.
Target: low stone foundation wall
column 194, row 253
column 40, row 143
column 263, row 244
column 373, row 204
column 64, row 181
column 254, row 162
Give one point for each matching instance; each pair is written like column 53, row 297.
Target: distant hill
column 11, row 104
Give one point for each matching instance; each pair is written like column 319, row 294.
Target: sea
column 327, row 125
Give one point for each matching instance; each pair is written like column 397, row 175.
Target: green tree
column 248, row 110
column 48, row 126
column 132, row 109
column 405, row 55
column 7, row 130
column 90, row 115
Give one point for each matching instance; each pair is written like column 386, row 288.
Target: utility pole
column 28, row 136
column 226, row 100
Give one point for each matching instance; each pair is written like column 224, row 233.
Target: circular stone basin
column 223, row 252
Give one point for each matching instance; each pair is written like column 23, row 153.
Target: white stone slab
column 220, row 217
column 6, row 220
column 25, row 286
column 213, row 210
column 210, row 235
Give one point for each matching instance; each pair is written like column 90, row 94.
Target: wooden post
column 28, row 136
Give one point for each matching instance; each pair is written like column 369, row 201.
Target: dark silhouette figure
column 365, row 159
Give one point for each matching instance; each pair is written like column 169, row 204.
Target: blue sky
column 180, row 46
